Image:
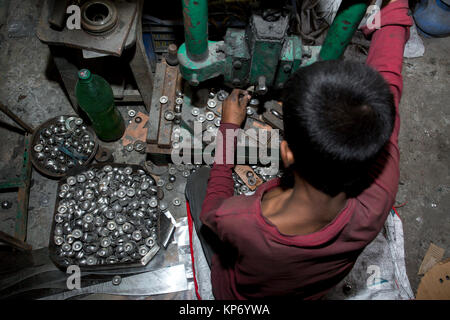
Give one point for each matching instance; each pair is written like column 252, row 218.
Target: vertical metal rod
column 195, row 16
column 342, row 29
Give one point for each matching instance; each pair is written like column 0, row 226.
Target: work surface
column 30, row 87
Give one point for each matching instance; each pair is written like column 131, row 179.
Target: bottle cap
column 84, row 74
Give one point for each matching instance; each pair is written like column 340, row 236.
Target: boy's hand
column 234, row 107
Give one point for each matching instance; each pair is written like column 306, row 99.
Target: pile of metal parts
column 107, row 215
column 253, row 177
column 210, row 119
column 63, row 144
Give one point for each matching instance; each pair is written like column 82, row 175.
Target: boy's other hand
column 234, row 108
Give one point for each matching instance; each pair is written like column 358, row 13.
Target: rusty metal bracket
column 167, row 81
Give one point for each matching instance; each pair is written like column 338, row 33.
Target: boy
column 302, row 237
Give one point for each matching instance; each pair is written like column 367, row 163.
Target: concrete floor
column 29, row 85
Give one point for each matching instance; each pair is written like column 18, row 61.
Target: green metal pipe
column 195, row 16
column 342, row 29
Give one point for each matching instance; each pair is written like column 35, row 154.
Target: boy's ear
column 286, row 154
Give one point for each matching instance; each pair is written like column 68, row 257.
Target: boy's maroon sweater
column 267, row 263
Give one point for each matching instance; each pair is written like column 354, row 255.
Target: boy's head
column 337, row 117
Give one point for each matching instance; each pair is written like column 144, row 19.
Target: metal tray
column 58, row 261
column 35, row 137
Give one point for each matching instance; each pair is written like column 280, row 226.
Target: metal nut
column 176, row 202
column 201, row 118
column 212, row 104
column 116, row 280
column 163, row 99
column 209, row 116
column 195, row 111
column 169, row 115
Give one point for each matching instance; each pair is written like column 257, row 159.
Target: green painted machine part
column 210, row 67
column 195, row 15
column 263, row 54
column 342, row 29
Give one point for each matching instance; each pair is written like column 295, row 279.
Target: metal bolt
column 172, row 170
column 77, row 246
column 149, row 242
column 163, row 99
column 129, row 147
column 162, row 206
column 161, row 182
column 116, row 280
column 58, row 240
column 77, row 233
column 111, row 225
column 287, row 68
column 6, row 204
column 153, row 202
column 211, row 127
column 186, row 173
column 136, row 235
column 195, row 111
column 139, row 145
column 254, row 102
column 38, row 147
column 169, row 115
column 222, row 95
column 209, row 116
column 179, row 101
column 71, row 181
column 143, row 250
column 251, row 181
column 131, row 113
column 138, row 119
column 212, row 104
column 276, row 114
column 201, row 118
column 237, row 64
column 169, row 186
column 176, row 202
column 261, row 88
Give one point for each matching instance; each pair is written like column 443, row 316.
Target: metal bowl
column 35, row 138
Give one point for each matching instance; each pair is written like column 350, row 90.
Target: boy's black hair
column 337, row 116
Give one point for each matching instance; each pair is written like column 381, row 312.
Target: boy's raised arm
column 387, row 46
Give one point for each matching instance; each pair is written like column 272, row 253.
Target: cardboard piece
column 435, row 284
column 433, row 256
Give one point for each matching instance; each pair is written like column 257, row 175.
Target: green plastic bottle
column 95, row 98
